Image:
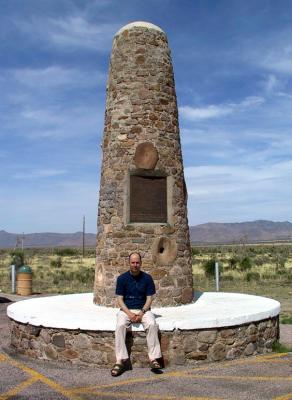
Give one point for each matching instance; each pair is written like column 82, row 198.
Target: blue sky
column 233, row 73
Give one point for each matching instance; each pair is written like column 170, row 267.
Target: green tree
column 209, row 267
column 17, row 257
column 245, row 263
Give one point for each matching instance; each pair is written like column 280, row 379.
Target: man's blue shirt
column 135, row 289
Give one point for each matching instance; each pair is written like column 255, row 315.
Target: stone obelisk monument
column 142, row 207
column 143, row 198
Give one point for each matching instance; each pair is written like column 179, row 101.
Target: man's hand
column 139, row 316
column 133, row 317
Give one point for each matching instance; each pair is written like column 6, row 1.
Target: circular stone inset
column 164, row 251
column 146, row 156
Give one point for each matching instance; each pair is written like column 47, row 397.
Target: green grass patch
column 54, row 270
column 281, row 348
column 263, row 270
column 286, row 319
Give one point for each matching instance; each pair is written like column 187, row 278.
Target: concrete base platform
column 216, row 326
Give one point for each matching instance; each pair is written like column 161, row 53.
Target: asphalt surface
column 262, row 377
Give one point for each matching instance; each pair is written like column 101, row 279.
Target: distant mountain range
column 247, row 232
column 46, row 239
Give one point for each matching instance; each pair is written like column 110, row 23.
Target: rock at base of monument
column 178, row 347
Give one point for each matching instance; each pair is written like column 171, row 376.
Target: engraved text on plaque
column 148, row 199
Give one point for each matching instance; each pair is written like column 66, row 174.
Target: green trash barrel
column 24, row 281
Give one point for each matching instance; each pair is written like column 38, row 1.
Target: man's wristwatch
column 143, row 310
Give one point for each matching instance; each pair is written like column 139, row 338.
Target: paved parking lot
column 262, row 377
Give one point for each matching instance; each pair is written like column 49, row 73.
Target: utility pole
column 83, row 237
column 17, row 243
column 22, row 240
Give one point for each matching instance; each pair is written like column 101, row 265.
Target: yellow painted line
column 271, row 361
column 274, row 355
column 2, row 357
column 57, row 387
column 285, row 397
column 183, row 373
column 136, row 395
column 178, row 374
column 38, row 376
column 14, row 391
column 256, row 359
column 130, row 395
column 114, row 384
column 244, row 378
column 162, row 377
column 70, row 393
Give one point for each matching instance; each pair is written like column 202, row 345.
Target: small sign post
column 217, row 276
column 13, row 279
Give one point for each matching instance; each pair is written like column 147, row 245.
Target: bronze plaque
column 148, row 199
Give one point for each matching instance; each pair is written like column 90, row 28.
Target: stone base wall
column 179, row 347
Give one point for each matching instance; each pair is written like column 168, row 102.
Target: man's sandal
column 154, row 364
column 117, row 369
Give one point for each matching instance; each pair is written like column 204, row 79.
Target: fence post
column 217, row 276
column 13, row 278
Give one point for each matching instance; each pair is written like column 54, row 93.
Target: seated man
column 135, row 289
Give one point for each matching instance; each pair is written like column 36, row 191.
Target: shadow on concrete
column 197, row 294
column 4, row 300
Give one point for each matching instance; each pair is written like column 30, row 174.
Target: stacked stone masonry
column 141, row 113
column 179, row 347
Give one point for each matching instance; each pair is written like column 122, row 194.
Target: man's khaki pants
column 149, row 325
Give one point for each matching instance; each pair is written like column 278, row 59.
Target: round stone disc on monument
column 146, row 156
column 142, row 200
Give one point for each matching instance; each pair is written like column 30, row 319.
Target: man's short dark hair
column 135, row 252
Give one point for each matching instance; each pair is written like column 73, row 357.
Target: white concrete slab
column 211, row 310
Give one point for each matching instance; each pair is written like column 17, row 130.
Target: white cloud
column 70, row 32
column 39, row 173
column 277, row 147
column 57, row 76
column 42, row 116
column 53, row 102
column 272, row 53
column 254, row 136
column 249, row 101
column 216, row 111
column 279, row 61
column 77, row 32
column 52, row 113
column 271, row 83
column 52, row 206
column 214, row 180
column 67, row 123
column 35, row 120
column 285, row 95
column 212, row 111
column 229, row 193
